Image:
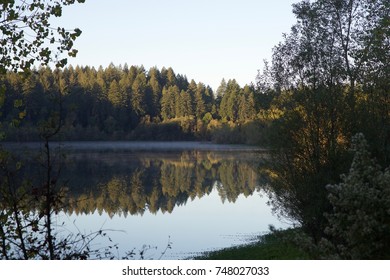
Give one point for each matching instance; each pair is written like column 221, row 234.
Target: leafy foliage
column 328, row 82
column 28, row 37
column 359, row 225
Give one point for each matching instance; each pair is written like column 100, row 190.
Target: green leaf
column 57, row 10
column 62, row 62
column 18, row 165
column 73, row 53
column 18, row 103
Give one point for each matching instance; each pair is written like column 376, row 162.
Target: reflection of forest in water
column 123, row 183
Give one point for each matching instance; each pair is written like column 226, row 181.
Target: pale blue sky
column 207, row 40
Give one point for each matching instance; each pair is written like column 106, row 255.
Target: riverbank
column 276, row 245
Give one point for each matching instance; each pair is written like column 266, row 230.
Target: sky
column 206, row 40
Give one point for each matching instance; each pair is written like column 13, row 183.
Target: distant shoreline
column 136, row 146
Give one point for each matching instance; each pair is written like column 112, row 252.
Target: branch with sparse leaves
column 27, row 37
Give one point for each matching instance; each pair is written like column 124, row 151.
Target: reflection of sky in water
column 202, row 224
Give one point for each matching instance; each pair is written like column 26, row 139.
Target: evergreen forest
column 126, row 103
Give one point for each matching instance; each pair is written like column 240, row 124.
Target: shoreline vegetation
column 275, row 245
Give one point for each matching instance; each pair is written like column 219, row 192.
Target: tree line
column 122, row 102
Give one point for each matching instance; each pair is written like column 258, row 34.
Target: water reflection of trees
column 134, row 183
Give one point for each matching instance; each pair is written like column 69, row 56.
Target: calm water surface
column 199, row 196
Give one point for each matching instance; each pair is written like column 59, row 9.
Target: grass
column 272, row 246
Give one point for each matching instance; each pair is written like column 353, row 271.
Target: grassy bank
column 272, row 246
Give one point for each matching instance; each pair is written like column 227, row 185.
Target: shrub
column 359, row 226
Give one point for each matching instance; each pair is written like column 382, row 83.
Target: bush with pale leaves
column 359, row 225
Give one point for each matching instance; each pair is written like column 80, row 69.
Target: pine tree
column 171, row 77
column 187, row 102
column 200, row 107
column 138, row 94
column 114, row 94
column 156, row 91
column 168, row 106
column 221, row 90
column 179, row 105
column 242, row 109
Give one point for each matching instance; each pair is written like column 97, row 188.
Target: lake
column 197, row 196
